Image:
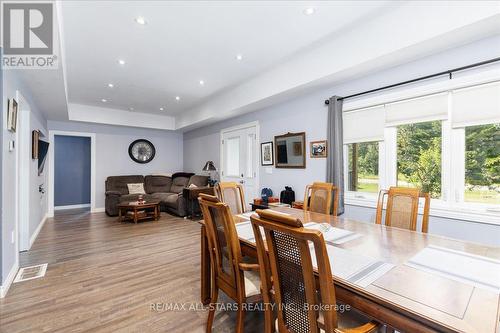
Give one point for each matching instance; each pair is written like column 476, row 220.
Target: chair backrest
column 225, row 251
column 402, row 208
column 291, row 266
column 318, row 198
column 231, row 193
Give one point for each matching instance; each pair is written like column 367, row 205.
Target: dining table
column 407, row 280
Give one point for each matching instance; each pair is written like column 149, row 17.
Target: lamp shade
column 209, row 166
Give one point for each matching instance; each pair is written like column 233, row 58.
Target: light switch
column 12, row 145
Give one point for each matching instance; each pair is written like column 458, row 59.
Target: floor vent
column 30, row 273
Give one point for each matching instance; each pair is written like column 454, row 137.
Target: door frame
column 92, row 136
column 23, row 174
column 257, row 148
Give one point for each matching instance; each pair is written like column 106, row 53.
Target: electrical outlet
column 12, row 237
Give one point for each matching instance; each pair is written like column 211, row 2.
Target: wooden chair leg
column 212, row 308
column 240, row 319
column 268, row 319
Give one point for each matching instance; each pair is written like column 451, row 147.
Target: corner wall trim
column 8, row 281
column 37, row 231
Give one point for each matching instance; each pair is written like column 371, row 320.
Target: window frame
column 360, row 194
column 451, row 205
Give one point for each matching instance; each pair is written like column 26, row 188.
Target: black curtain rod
column 448, row 72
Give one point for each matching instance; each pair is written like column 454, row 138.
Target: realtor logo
column 28, row 35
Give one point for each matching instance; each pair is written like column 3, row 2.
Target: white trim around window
column 451, row 204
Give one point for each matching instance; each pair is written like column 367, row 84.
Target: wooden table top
column 133, row 204
column 452, row 305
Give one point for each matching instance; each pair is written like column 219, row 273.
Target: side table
column 191, row 195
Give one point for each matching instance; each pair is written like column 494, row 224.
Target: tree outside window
column 482, row 164
column 419, row 157
column 363, row 167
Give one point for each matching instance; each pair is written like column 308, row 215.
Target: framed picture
column 318, row 149
column 35, row 136
column 11, row 115
column 290, row 150
column 297, row 148
column 266, row 153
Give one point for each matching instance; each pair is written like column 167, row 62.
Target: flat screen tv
column 43, row 148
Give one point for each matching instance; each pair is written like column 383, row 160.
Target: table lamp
column 210, row 167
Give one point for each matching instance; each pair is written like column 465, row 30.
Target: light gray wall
column 112, row 157
column 301, row 115
column 308, row 113
column 38, row 201
column 2, row 107
column 12, row 83
column 459, row 229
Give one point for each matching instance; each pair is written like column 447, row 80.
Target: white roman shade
column 364, row 125
column 477, row 105
column 417, row 110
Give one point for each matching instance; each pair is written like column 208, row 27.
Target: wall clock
column 141, row 151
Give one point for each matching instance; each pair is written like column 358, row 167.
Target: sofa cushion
column 119, row 183
column 178, row 184
column 198, row 180
column 172, row 200
column 162, row 196
column 169, row 199
column 155, row 184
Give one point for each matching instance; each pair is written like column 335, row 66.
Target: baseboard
column 4, row 288
column 37, row 231
column 98, row 210
column 71, row 207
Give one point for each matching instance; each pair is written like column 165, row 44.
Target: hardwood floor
column 106, row 276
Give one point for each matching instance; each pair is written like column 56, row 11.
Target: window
column 419, row 157
column 233, row 156
column 445, row 142
column 482, row 164
column 363, row 167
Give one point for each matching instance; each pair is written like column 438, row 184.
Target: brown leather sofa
column 166, row 190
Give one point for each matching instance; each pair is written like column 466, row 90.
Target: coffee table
column 134, row 211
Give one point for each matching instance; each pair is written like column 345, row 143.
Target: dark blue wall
column 71, row 170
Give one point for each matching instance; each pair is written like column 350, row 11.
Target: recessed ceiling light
column 161, row 109
column 309, row 11
column 111, row 85
column 141, row 20
column 131, row 109
column 104, row 100
column 239, row 57
column 177, row 98
column 202, row 83
column 121, row 62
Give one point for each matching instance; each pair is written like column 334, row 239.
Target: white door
column 239, row 159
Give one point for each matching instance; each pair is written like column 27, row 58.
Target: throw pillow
column 192, row 186
column 136, row 188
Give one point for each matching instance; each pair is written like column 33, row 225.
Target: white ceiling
column 184, row 42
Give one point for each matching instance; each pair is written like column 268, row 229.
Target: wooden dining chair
column 318, row 198
column 239, row 280
column 299, row 306
column 402, row 208
column 232, row 194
